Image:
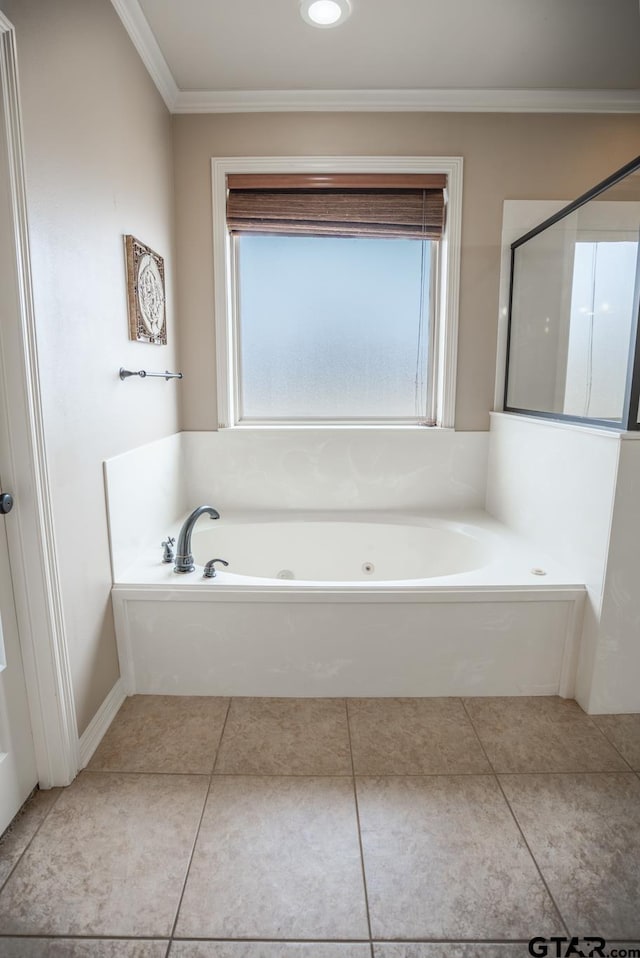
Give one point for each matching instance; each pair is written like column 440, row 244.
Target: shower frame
column 630, row 419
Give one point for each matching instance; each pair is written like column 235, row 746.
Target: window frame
column 444, row 286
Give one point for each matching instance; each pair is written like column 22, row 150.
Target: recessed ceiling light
column 325, row 13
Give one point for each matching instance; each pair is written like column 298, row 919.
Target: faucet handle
column 167, row 545
column 210, row 568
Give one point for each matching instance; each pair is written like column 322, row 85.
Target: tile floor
column 325, row 828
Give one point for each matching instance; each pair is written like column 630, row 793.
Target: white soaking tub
column 316, row 549
column 359, row 604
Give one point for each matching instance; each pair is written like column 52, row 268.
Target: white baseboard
column 99, row 724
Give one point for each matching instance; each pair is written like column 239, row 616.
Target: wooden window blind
column 402, row 206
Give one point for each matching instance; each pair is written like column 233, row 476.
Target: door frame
column 30, row 533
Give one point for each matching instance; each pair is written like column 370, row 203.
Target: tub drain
column 368, row 568
column 285, row 574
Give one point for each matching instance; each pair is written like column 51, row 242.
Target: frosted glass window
column 332, row 328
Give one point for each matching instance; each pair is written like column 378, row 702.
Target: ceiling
column 239, row 53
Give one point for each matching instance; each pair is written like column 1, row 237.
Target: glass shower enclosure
column 573, row 349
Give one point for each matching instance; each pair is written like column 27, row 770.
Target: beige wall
column 507, row 156
column 98, row 145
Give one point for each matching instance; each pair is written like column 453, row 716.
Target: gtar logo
column 576, row 947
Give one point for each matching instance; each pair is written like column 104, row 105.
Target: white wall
column 138, row 522
column 555, row 484
column 346, row 468
column 98, row 145
column 615, row 685
column 575, row 491
column 240, row 470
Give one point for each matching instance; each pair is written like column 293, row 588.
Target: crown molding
column 419, row 101
column 357, row 101
column 141, row 35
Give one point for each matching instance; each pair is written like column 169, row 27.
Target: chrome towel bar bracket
column 126, row 373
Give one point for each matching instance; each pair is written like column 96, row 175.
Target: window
column 335, row 292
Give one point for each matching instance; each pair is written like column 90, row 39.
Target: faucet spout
column 184, row 558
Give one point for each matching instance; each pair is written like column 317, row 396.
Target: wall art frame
column 146, row 296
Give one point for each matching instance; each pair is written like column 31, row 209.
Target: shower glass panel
column 573, row 325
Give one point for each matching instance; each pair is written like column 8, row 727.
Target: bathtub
column 312, row 549
column 360, row 604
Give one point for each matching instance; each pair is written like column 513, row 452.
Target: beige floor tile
column 624, row 732
column 110, row 859
column 451, row 950
column 413, row 736
column 163, row 733
column 541, row 734
column 22, row 829
column 272, row 736
column 444, row 859
column 83, row 948
column 266, row 949
column 276, row 858
column 584, row 831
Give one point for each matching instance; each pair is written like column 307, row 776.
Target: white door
column 17, row 759
column 18, row 773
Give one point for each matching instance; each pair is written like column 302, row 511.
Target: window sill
column 335, row 426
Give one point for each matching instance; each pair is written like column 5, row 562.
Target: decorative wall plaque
column 145, row 293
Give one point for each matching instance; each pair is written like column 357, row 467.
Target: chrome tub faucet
column 210, row 568
column 167, row 549
column 184, row 558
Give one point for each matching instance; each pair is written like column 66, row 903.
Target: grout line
column 224, row 728
column 377, row 941
column 355, row 796
column 465, row 942
column 283, row 775
column 197, row 835
column 161, row 938
column 455, row 941
column 492, row 770
column 443, row 774
column 612, row 744
column 133, row 771
column 517, row 823
column 488, row 772
column 188, row 869
column 125, row 771
column 285, row 941
column 30, row 842
column 49, row 936
column 292, row 941
column 576, row 771
column 535, row 861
